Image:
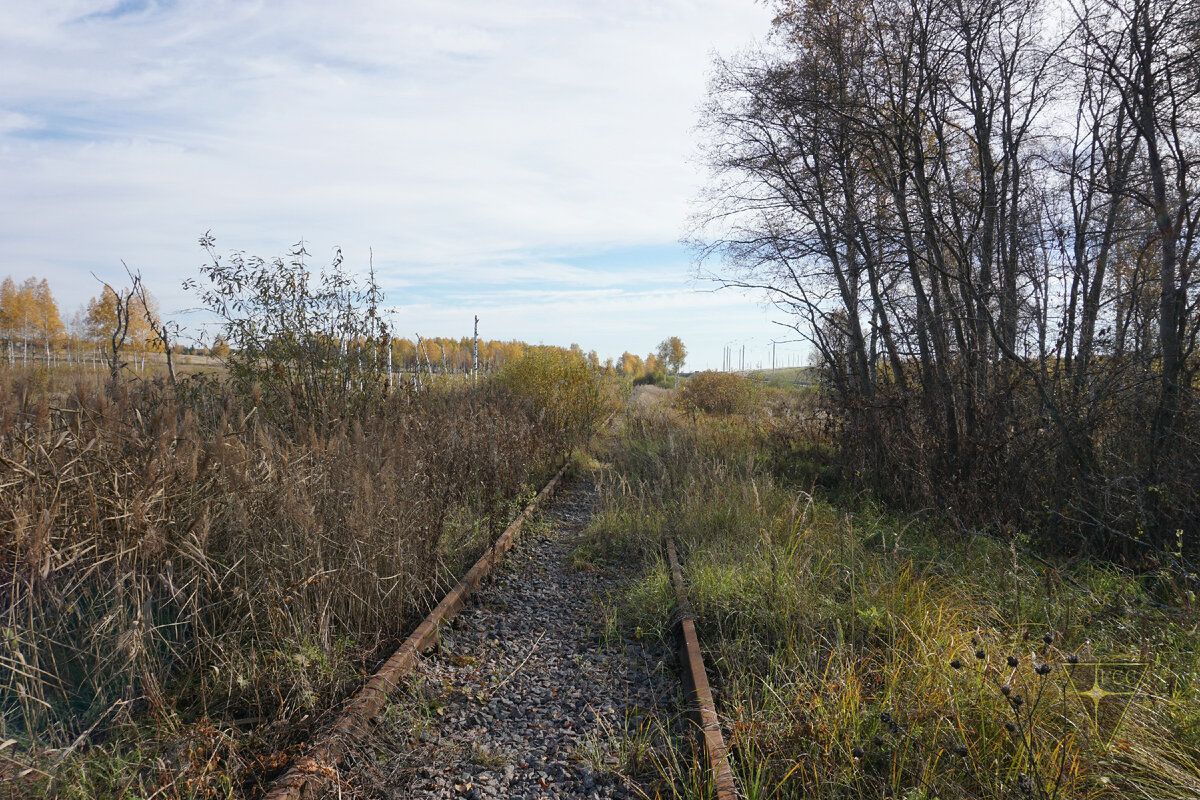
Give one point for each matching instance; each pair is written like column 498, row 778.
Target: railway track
column 522, row 694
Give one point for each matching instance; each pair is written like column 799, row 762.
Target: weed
column 173, row 560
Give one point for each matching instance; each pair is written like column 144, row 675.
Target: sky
column 530, row 162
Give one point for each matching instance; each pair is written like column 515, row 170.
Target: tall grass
column 860, row 654
column 194, row 585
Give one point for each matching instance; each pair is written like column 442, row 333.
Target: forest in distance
column 32, row 328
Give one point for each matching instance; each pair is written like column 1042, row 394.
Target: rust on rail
column 319, row 765
column 695, row 681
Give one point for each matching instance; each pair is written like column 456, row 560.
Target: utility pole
column 772, row 359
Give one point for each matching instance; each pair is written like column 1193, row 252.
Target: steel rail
column 319, row 765
column 695, row 681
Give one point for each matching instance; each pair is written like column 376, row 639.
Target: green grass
column 785, row 376
column 842, row 639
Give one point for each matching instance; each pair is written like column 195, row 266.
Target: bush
column 569, row 394
column 717, row 393
column 310, row 349
column 861, row 655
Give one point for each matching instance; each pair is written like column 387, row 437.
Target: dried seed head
column 885, row 717
column 1012, row 661
column 1072, row 658
column 960, row 751
column 956, row 664
column 980, row 654
column 1042, row 669
column 1048, row 638
column 1011, row 728
column 857, row 752
column 1006, row 690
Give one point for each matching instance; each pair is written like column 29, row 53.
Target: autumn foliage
column 220, row 559
column 569, row 394
column 716, row 393
column 29, row 313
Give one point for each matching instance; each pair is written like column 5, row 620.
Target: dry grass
column 187, row 588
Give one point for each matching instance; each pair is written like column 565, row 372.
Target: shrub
column 717, row 393
column 313, row 348
column 656, row 378
column 860, row 655
column 568, row 393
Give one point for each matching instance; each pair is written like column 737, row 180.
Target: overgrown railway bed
column 525, row 695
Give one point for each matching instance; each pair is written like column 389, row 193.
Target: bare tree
column 165, row 332
column 123, row 300
column 983, row 224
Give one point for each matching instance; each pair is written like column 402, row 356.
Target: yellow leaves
column 671, row 353
column 631, row 364
column 29, row 312
column 100, row 320
column 563, row 385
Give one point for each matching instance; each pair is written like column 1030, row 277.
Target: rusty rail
column 319, row 764
column 695, row 681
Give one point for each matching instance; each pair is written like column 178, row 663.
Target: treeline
column 450, row 355
column 31, row 324
column 984, row 223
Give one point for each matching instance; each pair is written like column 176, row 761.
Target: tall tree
column 29, row 313
column 672, row 353
column 984, row 224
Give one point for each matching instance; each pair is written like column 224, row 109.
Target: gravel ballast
column 526, row 697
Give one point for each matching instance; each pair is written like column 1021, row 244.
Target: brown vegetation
column 192, row 573
column 716, row 393
column 175, row 556
column 859, row 653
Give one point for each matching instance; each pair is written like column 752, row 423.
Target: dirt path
column 526, row 698
column 647, row 397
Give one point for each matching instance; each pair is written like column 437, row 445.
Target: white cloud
column 490, row 139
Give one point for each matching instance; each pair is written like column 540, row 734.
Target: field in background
column 785, row 376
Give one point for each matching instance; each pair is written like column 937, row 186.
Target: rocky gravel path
column 526, row 697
